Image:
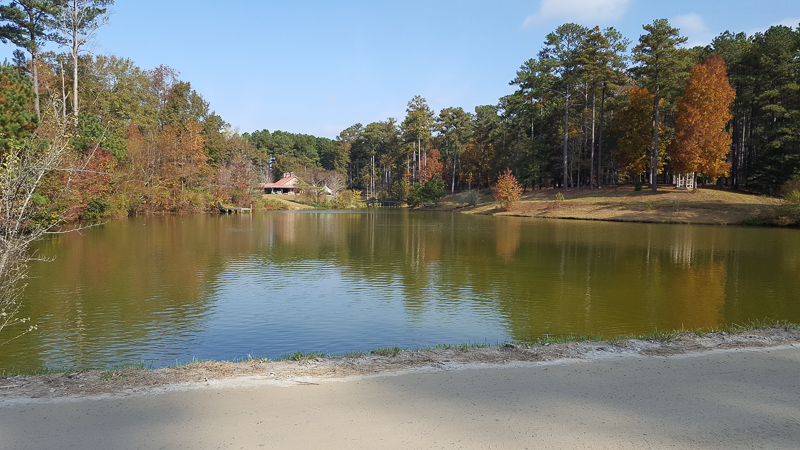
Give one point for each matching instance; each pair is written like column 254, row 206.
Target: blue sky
column 317, row 67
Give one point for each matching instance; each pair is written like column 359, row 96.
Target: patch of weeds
column 468, row 345
column 559, row 198
column 387, row 351
column 195, row 360
column 250, row 358
column 301, row 356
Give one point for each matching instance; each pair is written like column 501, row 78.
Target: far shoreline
column 622, row 203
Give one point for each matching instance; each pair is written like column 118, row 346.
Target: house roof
column 287, row 182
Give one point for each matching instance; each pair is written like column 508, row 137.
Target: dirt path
column 711, row 391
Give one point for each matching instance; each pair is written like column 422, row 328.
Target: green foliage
column 97, row 208
column 432, row 190
column 559, row 198
column 91, row 134
column 16, row 120
column 348, row 199
column 412, row 196
column 400, row 190
column 301, row 356
column 472, row 197
column 388, row 351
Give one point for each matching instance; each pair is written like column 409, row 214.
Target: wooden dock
column 233, row 209
column 384, row 203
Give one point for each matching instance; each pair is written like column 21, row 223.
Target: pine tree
column 661, row 68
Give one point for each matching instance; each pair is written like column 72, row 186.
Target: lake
column 167, row 289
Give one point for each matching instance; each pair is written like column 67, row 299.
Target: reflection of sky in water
column 267, row 309
column 173, row 288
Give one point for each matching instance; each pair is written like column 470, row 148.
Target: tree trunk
column 600, row 138
column 591, row 156
column 75, row 71
column 34, row 62
column 566, row 136
column 654, row 157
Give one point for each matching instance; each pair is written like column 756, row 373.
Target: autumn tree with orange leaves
column 701, row 143
column 432, row 165
column 508, row 191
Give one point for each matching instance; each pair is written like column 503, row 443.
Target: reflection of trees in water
column 121, row 282
column 616, row 279
column 125, row 282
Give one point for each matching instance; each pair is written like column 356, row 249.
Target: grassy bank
column 394, row 351
column 709, row 206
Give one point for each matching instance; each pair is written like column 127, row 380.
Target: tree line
column 593, row 109
column 590, row 109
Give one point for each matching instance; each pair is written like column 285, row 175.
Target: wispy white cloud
column 791, row 22
column 578, row 11
column 693, row 27
column 690, row 24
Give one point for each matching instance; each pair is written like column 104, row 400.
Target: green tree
column 561, row 55
column 432, row 190
column 601, row 56
column 416, row 129
column 344, row 144
column 29, row 24
column 662, row 68
column 775, row 136
column 78, row 20
column 16, row 120
column 454, row 128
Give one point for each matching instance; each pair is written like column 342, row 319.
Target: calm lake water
column 169, row 289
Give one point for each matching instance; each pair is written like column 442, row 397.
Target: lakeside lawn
column 711, row 206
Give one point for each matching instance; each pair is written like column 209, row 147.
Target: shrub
column 791, row 187
column 508, row 190
column 97, row 208
column 412, row 196
column 472, row 197
column 348, row 199
column 433, row 190
column 400, row 190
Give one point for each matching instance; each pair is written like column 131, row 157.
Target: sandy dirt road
column 742, row 398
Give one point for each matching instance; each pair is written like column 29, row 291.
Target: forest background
column 592, row 107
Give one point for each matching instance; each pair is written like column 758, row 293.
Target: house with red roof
column 289, row 184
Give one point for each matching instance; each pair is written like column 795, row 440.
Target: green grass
column 141, row 365
column 113, row 371
column 388, row 351
column 250, row 358
column 301, row 356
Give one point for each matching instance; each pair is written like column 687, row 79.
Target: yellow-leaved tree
column 701, row 143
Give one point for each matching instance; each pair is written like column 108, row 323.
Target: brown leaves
column 701, row 142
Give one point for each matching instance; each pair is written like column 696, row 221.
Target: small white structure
column 684, row 181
